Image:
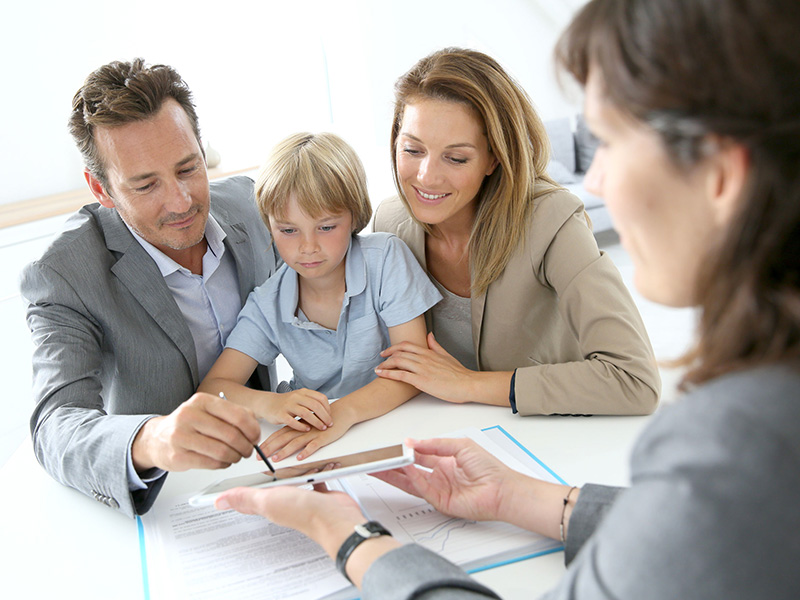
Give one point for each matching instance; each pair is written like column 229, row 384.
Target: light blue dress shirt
column 209, row 302
column 385, row 287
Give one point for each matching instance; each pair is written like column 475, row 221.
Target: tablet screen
column 361, row 462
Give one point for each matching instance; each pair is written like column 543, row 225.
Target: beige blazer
column 559, row 313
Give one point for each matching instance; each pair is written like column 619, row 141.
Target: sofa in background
column 572, row 147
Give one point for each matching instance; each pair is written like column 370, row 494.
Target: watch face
column 367, row 530
column 371, row 529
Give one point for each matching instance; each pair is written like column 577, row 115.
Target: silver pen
column 256, row 446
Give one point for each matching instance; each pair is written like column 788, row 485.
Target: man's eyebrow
column 193, row 156
column 181, row 163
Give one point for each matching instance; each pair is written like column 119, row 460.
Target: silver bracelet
column 564, row 512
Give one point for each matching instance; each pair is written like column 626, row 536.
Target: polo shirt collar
column 355, row 277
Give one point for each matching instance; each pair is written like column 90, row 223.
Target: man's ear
column 728, row 179
column 98, row 191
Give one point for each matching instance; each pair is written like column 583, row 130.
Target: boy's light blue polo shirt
column 385, row 286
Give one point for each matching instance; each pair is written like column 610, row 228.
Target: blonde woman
column 534, row 316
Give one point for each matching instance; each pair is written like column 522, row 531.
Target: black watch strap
column 365, row 531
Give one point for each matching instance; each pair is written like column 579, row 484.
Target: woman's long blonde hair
column 517, row 138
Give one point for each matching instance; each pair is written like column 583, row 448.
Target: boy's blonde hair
column 321, row 171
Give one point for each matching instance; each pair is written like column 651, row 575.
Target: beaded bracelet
column 564, row 512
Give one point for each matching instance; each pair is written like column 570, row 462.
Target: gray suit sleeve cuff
column 593, row 504
column 412, row 571
column 144, row 490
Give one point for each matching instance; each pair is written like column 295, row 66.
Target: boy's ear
column 98, row 191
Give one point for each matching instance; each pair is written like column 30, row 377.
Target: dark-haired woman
column 697, row 107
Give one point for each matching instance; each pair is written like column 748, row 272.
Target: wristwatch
column 365, row 531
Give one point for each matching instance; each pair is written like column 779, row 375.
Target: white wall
column 259, row 69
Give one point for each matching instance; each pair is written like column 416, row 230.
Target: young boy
column 336, row 303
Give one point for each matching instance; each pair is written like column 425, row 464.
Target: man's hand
column 205, row 432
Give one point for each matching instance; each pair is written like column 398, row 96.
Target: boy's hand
column 286, row 441
column 310, row 407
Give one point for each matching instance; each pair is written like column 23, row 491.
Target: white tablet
column 369, row 461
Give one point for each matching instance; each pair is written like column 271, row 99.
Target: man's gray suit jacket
column 112, row 348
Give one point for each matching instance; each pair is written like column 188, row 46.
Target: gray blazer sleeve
column 593, row 504
column 111, row 347
column 710, row 512
column 412, row 571
column 75, row 437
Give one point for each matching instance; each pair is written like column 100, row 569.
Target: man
column 132, row 302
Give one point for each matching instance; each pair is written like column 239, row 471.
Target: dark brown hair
column 120, row 93
column 517, row 139
column 696, row 70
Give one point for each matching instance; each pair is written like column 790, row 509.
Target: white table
column 58, row 543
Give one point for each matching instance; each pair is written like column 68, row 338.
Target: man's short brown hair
column 120, row 93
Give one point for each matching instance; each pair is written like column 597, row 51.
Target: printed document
column 199, row 553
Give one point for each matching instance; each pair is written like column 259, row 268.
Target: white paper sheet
column 202, row 553
column 199, row 553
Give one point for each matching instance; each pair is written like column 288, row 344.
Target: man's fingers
column 197, row 427
column 237, row 416
column 219, row 439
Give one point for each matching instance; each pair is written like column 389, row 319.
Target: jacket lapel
column 140, row 275
column 236, row 243
column 414, row 236
column 478, row 305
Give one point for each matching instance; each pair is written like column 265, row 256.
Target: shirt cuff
column 143, row 481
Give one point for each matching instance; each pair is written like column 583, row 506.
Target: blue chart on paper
column 435, row 535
